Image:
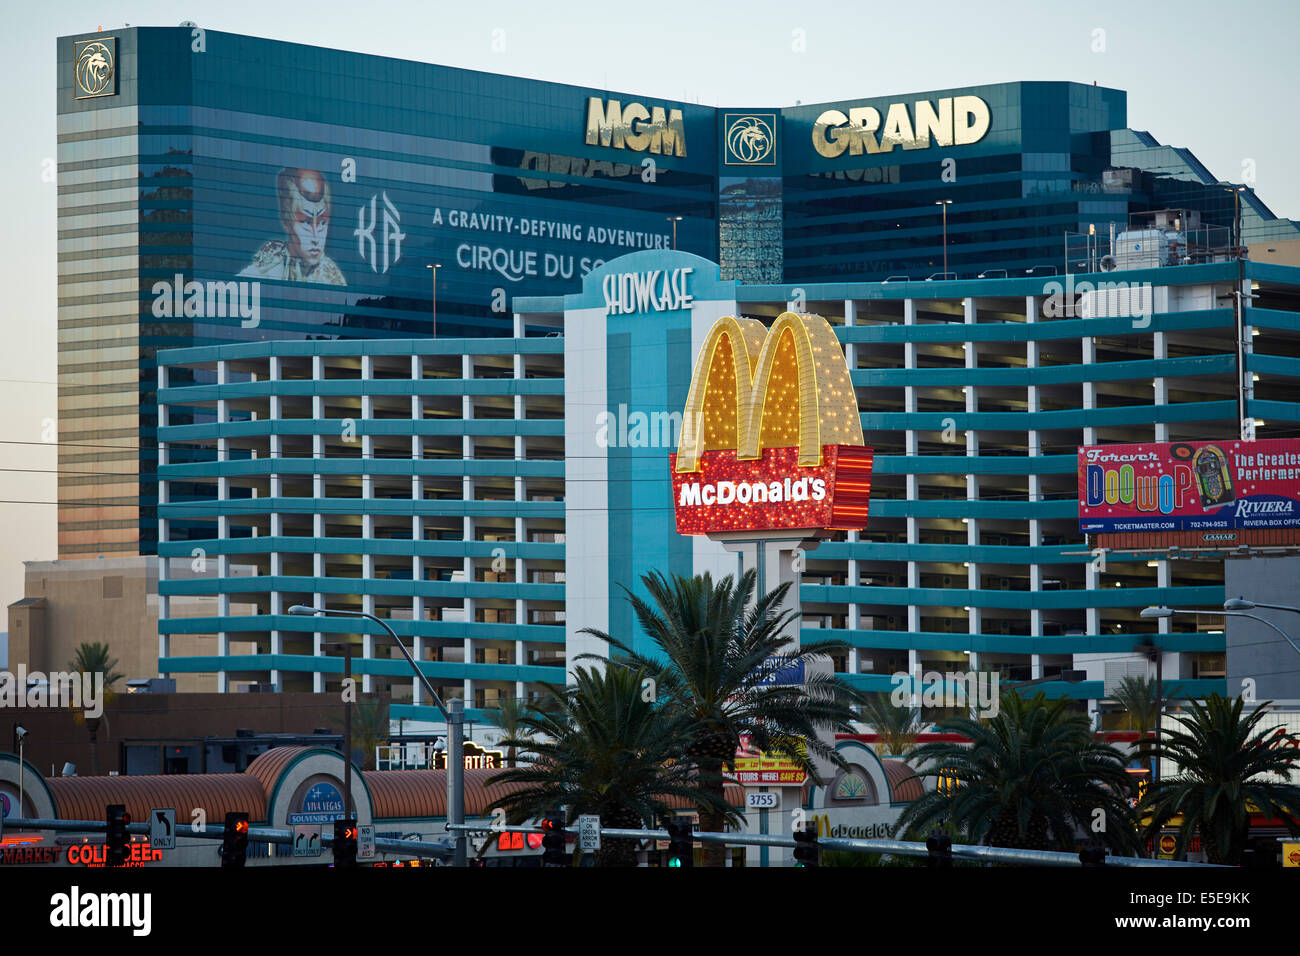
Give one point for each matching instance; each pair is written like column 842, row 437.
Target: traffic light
column 1261, row 854
column 553, row 852
column 940, row 846
column 681, row 843
column 117, row 841
column 345, row 843
column 806, row 851
column 234, row 839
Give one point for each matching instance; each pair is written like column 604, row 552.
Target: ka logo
column 391, row 235
column 96, row 67
column 750, row 139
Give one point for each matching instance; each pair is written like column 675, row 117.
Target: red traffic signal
column 553, row 839
column 116, row 837
column 234, row 839
column 345, row 843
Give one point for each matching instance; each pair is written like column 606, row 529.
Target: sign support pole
column 785, row 549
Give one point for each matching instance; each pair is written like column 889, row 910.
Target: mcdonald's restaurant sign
column 771, row 437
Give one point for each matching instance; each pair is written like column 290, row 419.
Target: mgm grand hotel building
column 337, row 329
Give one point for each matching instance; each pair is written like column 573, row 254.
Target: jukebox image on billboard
column 1212, row 477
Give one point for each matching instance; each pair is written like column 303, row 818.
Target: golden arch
column 755, row 388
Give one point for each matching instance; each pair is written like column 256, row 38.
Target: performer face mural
column 305, row 212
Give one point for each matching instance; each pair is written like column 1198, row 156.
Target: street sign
column 791, row 673
column 589, row 832
column 323, row 803
column 366, row 843
column 758, row 800
column 328, row 816
column 306, row 839
column 162, row 829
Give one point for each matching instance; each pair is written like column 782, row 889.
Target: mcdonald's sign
column 771, row 437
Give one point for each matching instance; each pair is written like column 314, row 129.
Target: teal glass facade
column 209, row 164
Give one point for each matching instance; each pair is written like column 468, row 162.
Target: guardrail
column 987, row 854
column 443, row 850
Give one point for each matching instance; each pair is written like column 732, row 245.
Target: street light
column 674, row 220
column 944, row 204
column 21, row 733
column 1241, row 604
column 452, row 712
column 435, row 267
column 1228, row 612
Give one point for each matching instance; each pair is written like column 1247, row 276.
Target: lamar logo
column 771, row 436
column 635, row 128
column 957, row 121
column 95, row 67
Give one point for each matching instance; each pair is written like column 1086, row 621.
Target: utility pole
column 1155, row 653
column 1244, row 431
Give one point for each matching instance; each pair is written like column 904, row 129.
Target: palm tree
column 720, row 658
column 92, row 658
column 509, row 717
column 896, row 727
column 1224, row 765
column 607, row 749
column 1032, row 778
column 1137, row 695
column 370, row 727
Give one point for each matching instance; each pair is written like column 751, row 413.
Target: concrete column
column 1089, row 388
column 417, row 651
column 1160, row 388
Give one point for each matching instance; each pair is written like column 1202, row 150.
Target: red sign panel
column 773, row 492
column 1189, row 486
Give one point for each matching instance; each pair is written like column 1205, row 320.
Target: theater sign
column 771, row 437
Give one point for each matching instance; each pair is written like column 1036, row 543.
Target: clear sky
column 1218, row 78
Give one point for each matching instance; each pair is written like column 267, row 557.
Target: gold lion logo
column 750, row 140
column 94, row 69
